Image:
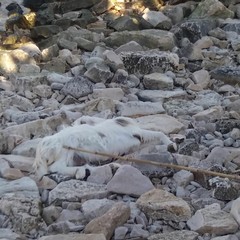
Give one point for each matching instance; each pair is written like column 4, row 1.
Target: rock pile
column 172, row 65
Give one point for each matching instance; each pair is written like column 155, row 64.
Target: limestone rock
column 158, row 95
column 75, row 190
column 128, row 180
column 160, row 204
column 160, row 122
column 209, row 114
column 157, row 81
column 72, row 236
column 212, row 219
column 112, row 93
column 20, row 201
column 107, row 223
column 175, row 235
column 135, row 108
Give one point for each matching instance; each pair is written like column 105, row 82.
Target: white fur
column 112, row 136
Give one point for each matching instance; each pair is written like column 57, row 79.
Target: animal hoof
column 81, row 173
column 172, row 148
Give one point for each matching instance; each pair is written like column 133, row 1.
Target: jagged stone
column 150, row 38
column 150, row 62
column 160, row 204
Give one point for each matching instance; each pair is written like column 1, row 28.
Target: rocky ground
column 174, row 68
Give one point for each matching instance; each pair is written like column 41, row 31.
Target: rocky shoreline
column 174, row 67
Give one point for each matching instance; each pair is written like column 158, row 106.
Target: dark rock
column 226, row 125
column 149, row 62
column 78, row 87
column 153, row 171
column 14, row 8
column 128, row 23
column 194, row 29
column 73, row 5
column 45, row 31
column 223, row 189
column 33, row 4
column 188, row 146
column 45, row 15
column 227, row 74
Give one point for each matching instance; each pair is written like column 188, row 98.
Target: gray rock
column 113, row 60
column 45, row 31
column 78, row 87
column 131, row 46
column 64, row 227
column 129, row 180
column 120, row 233
column 232, row 25
column 160, row 204
column 183, row 178
column 137, row 231
column 112, row 93
column 73, row 216
column 9, row 99
column 175, row 235
column 160, row 122
column 149, row 62
column 157, row 95
column 72, row 236
column 43, row 91
column 94, row 208
column 194, row 29
column 100, row 175
column 14, row 115
column 227, row 74
column 150, row 38
column 210, row 114
column 158, row 20
column 8, row 234
column 223, row 189
column 134, row 108
column 50, row 214
column 99, row 73
column 20, row 201
column 212, row 219
column 157, row 81
column 155, row 171
column 212, row 8
column 124, row 23
column 75, row 190
column 226, row 237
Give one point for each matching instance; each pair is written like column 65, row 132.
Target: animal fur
column 112, row 136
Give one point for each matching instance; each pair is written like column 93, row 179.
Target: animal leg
column 153, row 136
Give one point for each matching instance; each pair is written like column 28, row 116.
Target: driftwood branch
column 158, row 164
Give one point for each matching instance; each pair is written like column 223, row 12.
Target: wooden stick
column 158, row 164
